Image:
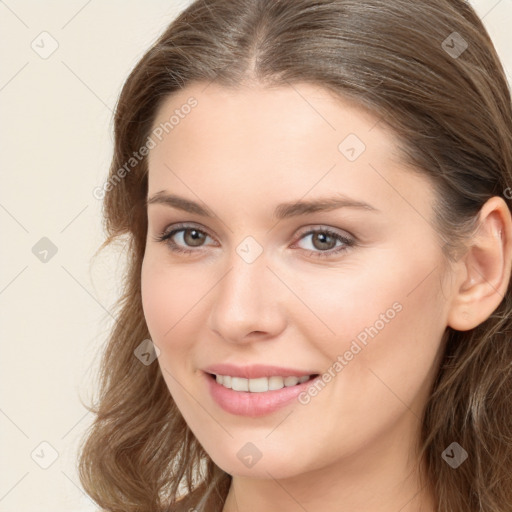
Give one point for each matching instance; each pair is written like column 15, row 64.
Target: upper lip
column 255, row 371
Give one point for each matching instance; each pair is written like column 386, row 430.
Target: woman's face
column 355, row 293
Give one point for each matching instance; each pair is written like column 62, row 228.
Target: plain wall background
column 56, row 145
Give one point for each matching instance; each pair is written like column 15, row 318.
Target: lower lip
column 245, row 403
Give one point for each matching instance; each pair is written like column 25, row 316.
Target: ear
column 484, row 271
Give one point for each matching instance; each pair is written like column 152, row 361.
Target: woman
column 317, row 308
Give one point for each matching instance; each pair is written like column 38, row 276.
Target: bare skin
column 352, row 446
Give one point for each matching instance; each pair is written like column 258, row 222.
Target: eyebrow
column 282, row 211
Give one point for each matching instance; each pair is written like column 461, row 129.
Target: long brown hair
column 427, row 69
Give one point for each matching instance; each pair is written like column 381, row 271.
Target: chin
column 269, row 464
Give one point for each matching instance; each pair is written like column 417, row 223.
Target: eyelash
column 165, row 237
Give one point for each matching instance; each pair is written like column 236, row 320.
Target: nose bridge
column 246, row 298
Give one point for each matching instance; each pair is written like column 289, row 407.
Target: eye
column 323, row 240
column 189, row 235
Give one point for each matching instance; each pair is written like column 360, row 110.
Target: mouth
column 256, row 397
column 261, row 384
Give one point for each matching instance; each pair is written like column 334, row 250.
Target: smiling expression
column 282, row 226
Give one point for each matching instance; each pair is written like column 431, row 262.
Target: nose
column 248, row 302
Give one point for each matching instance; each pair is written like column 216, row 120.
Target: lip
column 255, row 371
column 245, row 403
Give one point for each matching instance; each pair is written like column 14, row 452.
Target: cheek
column 382, row 356
column 158, row 301
column 391, row 290
column 169, row 294
column 381, row 330
column 169, row 297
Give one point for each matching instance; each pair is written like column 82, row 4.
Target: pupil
column 196, row 237
column 324, row 239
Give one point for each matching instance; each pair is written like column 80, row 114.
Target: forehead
column 290, row 141
column 257, row 112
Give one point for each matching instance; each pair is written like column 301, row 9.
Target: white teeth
column 291, row 381
column 275, row 383
column 259, row 385
column 239, row 384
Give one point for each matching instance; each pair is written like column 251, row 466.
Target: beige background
column 56, row 144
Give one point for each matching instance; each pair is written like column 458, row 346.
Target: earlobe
column 484, row 271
